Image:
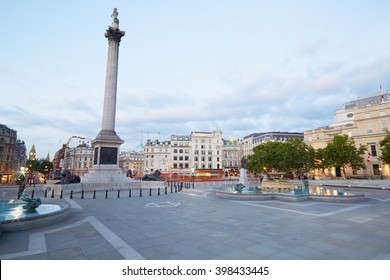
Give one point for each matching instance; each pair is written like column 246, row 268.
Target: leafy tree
column 297, row 156
column 268, row 155
column 342, row 152
column 45, row 167
column 32, row 165
column 281, row 156
column 385, row 148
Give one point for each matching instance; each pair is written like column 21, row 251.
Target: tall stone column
column 107, row 142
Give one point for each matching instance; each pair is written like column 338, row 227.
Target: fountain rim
column 25, row 223
column 355, row 197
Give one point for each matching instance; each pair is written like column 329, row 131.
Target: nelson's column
column 106, row 144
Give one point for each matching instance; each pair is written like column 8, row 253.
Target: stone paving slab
column 195, row 224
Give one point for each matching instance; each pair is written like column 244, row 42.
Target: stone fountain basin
column 14, row 218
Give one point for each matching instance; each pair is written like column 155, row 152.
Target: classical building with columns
column 366, row 121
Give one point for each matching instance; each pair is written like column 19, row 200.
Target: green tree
column 32, row 165
column 268, row 155
column 45, row 167
column 342, row 152
column 385, row 148
column 297, row 156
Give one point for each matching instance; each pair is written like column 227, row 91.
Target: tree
column 297, row 156
column 342, row 152
column 268, row 155
column 281, row 156
column 385, row 148
column 45, row 167
column 32, row 165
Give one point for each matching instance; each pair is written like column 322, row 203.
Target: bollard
column 175, row 188
column 158, row 193
column 129, row 192
column 32, row 194
column 106, row 194
column 171, row 189
column 119, row 193
column 71, row 194
column 82, row 194
column 94, row 194
column 166, row 190
column 45, row 193
column 61, row 194
column 140, row 192
column 52, row 194
column 150, row 192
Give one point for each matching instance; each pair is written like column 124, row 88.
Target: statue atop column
column 115, row 20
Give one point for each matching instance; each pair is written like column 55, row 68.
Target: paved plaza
column 196, row 224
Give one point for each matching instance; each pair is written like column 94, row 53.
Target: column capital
column 114, row 34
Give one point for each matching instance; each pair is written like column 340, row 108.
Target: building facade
column 232, row 154
column 366, row 121
column 157, row 155
column 12, row 155
column 183, row 154
column 132, row 163
column 207, row 149
column 78, row 155
column 255, row 139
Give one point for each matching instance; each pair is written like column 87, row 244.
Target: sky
column 241, row 66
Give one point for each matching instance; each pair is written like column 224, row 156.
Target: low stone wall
column 291, row 198
column 36, row 221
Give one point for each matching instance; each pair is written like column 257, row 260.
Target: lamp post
column 193, row 177
column 380, row 173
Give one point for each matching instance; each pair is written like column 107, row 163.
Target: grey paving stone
column 206, row 227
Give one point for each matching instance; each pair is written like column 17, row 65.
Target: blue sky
column 241, row 66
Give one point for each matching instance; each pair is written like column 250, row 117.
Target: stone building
column 12, row 155
column 132, row 163
column 157, row 155
column 232, row 154
column 183, row 154
column 252, row 140
column 78, row 155
column 366, row 121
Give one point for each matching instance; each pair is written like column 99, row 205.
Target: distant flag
column 382, row 95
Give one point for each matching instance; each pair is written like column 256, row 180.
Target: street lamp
column 380, row 173
column 193, row 177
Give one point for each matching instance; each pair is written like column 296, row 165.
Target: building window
column 384, row 125
column 369, row 128
column 373, row 150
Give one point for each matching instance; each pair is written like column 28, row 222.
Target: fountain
column 284, row 190
column 28, row 213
